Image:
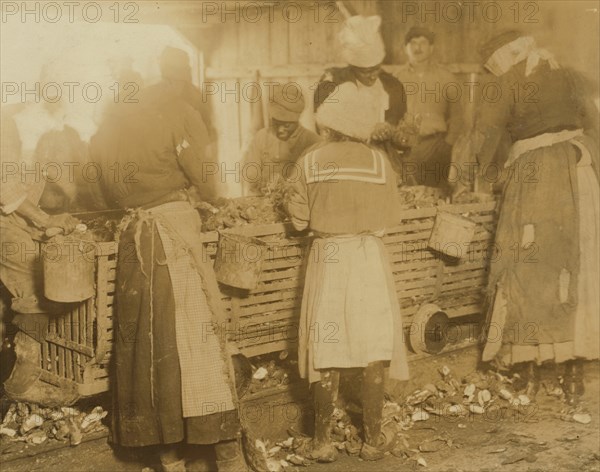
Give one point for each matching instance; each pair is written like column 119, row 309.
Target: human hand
column 458, row 189
column 382, row 132
column 63, row 221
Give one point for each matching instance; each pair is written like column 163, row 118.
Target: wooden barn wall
column 557, row 26
column 239, row 55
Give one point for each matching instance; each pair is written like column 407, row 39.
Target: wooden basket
column 78, row 345
column 451, row 234
column 68, row 266
column 239, row 260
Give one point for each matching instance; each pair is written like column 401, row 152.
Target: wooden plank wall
column 239, row 54
column 570, row 29
column 245, row 53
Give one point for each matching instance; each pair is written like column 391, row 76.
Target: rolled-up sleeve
column 296, row 201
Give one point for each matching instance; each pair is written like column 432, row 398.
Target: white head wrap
column 516, row 51
column 344, row 112
column 361, row 42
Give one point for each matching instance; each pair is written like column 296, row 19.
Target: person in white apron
column 350, row 317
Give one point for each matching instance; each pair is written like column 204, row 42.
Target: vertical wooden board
column 332, row 25
column 81, row 320
column 45, row 355
column 70, row 328
column 248, row 92
column 299, row 38
column 77, row 367
column 68, row 364
column 254, row 40
column 89, row 317
column 52, row 351
column 317, row 34
column 225, row 53
column 227, row 122
column 101, row 305
column 279, row 53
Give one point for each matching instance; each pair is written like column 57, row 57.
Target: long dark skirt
column 535, row 264
column 140, row 418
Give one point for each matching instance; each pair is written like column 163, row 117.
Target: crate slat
column 260, row 299
column 280, row 285
column 271, row 316
column 267, row 307
column 59, row 342
column 266, row 319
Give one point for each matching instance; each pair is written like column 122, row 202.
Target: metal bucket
column 239, row 260
column 451, row 234
column 69, row 269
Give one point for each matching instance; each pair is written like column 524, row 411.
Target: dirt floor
column 541, row 437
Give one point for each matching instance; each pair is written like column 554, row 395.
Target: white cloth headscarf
column 361, row 42
column 523, row 48
column 344, row 111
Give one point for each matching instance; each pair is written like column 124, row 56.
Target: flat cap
column 418, row 31
column 286, row 103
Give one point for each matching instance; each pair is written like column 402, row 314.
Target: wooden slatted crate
column 79, row 344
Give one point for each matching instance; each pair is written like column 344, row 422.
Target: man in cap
column 382, row 95
column 439, row 117
column 275, row 149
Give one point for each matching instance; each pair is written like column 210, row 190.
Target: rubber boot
column 320, row 448
column 579, row 375
column 170, row 459
column 573, row 385
column 24, row 383
column 32, row 329
column 376, row 443
column 325, row 395
column 27, row 368
column 230, row 457
column 199, row 458
column 532, row 372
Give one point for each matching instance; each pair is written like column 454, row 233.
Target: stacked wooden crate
column 79, row 344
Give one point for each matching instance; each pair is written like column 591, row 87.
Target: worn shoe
column 386, row 443
column 371, row 453
column 199, row 465
column 309, row 448
column 178, row 466
column 230, row 457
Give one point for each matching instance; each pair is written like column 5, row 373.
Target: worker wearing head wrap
column 439, row 119
column 350, row 317
column 545, row 294
column 382, row 95
column 274, row 150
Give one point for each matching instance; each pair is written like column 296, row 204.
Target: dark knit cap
column 418, row 31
